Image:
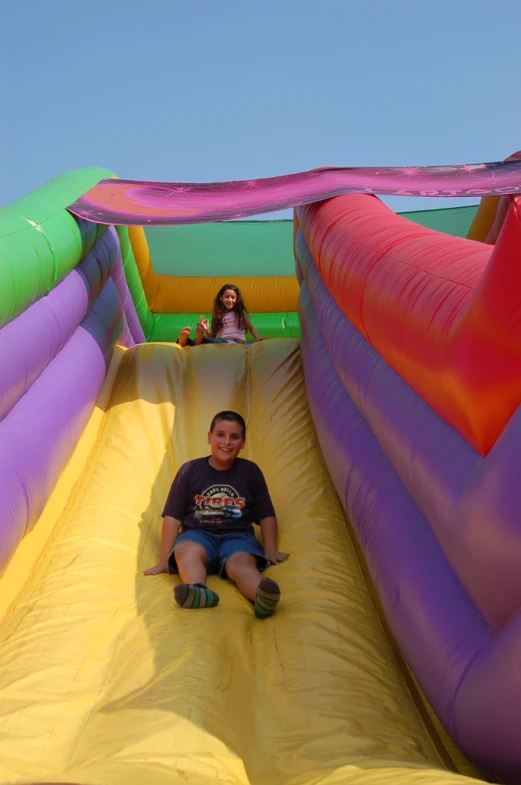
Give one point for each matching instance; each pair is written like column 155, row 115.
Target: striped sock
column 266, row 598
column 195, row 595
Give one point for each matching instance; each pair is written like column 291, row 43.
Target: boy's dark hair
column 229, row 417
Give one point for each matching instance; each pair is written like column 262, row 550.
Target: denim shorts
column 219, row 548
column 191, row 342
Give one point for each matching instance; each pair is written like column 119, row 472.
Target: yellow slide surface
column 104, row 680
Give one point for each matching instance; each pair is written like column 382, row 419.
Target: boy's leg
column 241, row 568
column 191, row 559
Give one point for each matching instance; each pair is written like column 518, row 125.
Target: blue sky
column 206, row 90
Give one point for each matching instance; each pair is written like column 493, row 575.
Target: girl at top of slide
column 230, row 320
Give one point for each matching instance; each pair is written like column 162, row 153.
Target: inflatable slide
column 385, row 413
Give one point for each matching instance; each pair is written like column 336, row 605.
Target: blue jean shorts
column 219, row 548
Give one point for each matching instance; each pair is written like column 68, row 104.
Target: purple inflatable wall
column 426, row 508
column 55, row 356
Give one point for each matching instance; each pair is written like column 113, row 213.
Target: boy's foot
column 195, row 595
column 183, row 336
column 266, row 598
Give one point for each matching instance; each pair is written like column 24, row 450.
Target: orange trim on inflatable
column 444, row 312
column 501, row 213
column 491, row 213
column 484, row 219
column 139, row 243
column 182, row 294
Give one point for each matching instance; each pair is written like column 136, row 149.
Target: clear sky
column 211, row 90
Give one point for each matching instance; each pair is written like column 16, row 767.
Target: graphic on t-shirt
column 218, row 503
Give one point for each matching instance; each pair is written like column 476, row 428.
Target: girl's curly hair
column 219, row 309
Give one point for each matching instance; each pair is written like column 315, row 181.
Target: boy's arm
column 270, row 533
column 169, row 534
column 173, row 514
column 251, row 329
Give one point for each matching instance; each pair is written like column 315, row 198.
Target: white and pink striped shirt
column 230, row 328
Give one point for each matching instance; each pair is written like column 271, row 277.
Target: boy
column 216, row 500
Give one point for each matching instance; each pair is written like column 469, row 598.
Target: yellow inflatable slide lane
column 104, row 680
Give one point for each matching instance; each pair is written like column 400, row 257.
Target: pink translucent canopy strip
column 115, row 201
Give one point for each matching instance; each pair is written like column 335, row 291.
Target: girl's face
column 229, row 298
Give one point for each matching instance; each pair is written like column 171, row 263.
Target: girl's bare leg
column 199, row 334
column 183, row 336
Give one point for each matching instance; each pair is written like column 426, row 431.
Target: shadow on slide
column 104, row 680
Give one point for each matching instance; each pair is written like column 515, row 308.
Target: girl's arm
column 251, row 329
column 206, row 327
column 169, row 534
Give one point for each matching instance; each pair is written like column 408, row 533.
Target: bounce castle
column 385, row 414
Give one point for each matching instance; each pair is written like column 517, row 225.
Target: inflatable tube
column 430, row 613
column 166, row 326
column 149, row 279
column 149, row 203
column 442, row 311
column 487, row 707
column 40, row 432
column 183, row 294
column 40, row 243
column 484, row 219
column 432, row 459
column 134, row 282
column 490, row 214
column 30, row 341
column 118, row 276
column 471, row 678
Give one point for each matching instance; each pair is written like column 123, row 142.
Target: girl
column 230, row 320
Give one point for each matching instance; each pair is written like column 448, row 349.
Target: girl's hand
column 262, row 339
column 157, row 569
column 275, row 557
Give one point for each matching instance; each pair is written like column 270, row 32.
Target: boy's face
column 226, row 441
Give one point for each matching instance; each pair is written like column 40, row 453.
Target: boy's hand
column 157, row 569
column 275, row 557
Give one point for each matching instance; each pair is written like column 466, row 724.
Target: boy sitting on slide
column 213, row 502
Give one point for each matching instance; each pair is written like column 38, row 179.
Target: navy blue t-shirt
column 220, row 502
